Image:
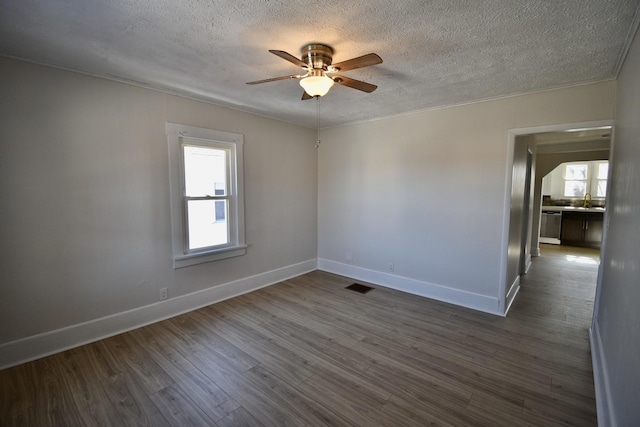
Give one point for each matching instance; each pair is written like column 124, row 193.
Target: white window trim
column 596, row 180
column 176, row 133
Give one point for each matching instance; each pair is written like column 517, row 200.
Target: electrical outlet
column 163, row 293
column 348, row 256
column 392, row 267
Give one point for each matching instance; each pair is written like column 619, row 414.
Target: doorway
column 532, row 152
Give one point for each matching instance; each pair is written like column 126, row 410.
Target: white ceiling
column 436, row 53
column 573, row 141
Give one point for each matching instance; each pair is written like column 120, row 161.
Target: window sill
column 208, row 256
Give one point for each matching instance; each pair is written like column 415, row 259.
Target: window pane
column 603, row 171
column 207, row 221
column 574, row 188
column 576, row 172
column 205, row 171
column 602, row 188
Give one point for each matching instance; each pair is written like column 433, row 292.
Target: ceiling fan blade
column 287, row 56
column 306, row 96
column 355, row 84
column 274, row 79
column 359, row 62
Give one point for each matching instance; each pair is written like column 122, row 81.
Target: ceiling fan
column 319, row 71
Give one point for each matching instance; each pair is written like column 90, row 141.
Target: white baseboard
column 511, row 295
column 37, row 346
column 606, row 417
column 441, row 293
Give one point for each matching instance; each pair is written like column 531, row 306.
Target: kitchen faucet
column 586, row 202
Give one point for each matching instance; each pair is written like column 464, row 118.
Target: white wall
column 554, row 181
column 427, row 191
column 616, row 326
column 85, row 218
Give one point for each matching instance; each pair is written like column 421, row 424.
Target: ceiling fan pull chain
column 318, row 121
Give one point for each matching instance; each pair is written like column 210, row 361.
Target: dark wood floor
column 308, row 352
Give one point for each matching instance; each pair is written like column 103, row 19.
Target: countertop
column 570, row 209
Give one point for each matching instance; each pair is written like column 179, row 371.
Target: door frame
column 509, row 291
column 525, row 243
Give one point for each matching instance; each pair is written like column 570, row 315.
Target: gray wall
column 428, row 192
column 616, row 327
column 85, row 218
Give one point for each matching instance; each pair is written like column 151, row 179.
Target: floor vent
column 357, row 287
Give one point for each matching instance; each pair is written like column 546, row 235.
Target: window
column 601, row 177
column 583, row 178
column 575, row 179
column 207, row 209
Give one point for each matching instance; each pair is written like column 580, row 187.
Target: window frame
column 566, row 180
column 178, row 136
column 598, row 180
column 230, row 191
column 590, row 182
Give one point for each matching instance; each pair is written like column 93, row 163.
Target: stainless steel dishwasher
column 550, row 224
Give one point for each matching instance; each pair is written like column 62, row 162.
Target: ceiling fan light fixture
column 317, row 60
column 316, row 85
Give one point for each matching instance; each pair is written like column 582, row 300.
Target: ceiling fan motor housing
column 317, row 56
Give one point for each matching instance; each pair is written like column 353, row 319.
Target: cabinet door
column 572, row 229
column 593, row 231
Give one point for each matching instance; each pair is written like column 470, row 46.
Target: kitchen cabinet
column 582, row 229
column 593, row 231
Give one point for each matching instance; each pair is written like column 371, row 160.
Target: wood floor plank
column 493, row 410
column 131, row 401
column 240, row 417
column 396, row 365
column 412, row 413
column 322, row 348
column 308, row 352
column 558, row 411
column 215, row 403
column 342, row 314
column 51, row 389
column 352, row 407
column 151, row 376
column 461, row 373
column 86, row 391
column 100, row 360
column 213, row 342
column 178, row 408
column 260, row 401
column 176, row 337
column 425, row 388
column 307, row 408
column 282, row 361
column 314, row 347
column 18, row 396
column 304, row 316
column 571, row 386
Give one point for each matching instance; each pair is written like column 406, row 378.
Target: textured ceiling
column 435, row 53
